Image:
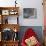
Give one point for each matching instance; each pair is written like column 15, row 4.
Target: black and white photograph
column 29, row 13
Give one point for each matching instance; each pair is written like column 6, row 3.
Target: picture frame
column 5, row 12
column 29, row 13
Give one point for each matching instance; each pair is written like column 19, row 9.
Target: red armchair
column 29, row 33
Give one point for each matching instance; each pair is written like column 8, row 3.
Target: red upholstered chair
column 29, row 33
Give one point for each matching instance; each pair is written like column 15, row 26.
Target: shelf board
column 10, row 41
column 11, row 26
column 7, row 8
column 10, row 15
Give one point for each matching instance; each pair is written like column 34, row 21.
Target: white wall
column 27, row 4
column 32, row 4
column 7, row 3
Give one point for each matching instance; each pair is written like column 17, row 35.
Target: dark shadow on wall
column 37, row 29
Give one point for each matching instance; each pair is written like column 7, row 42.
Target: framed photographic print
column 5, row 12
column 29, row 13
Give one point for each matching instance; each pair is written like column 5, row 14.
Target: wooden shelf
column 11, row 26
column 9, row 8
column 4, row 24
column 9, row 43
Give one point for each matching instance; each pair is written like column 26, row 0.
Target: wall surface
column 27, row 4
column 32, row 4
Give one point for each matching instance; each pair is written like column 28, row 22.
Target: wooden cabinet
column 9, row 23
